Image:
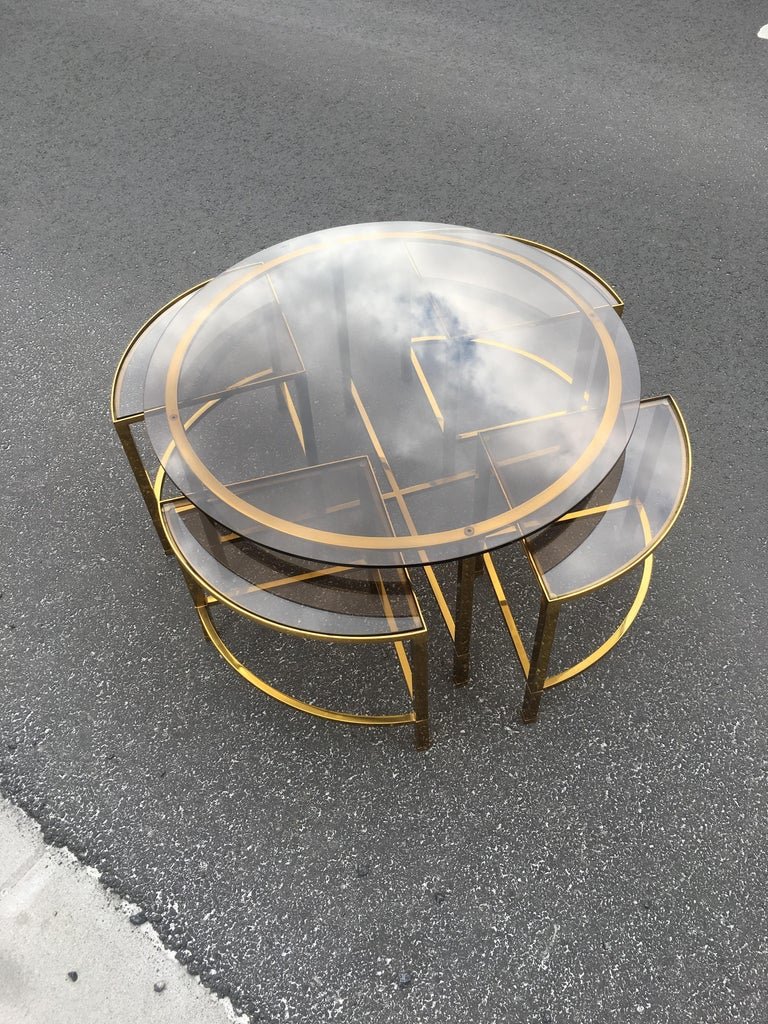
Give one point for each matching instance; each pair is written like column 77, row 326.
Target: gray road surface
column 607, row 865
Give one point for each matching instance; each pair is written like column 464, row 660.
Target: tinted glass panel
column 129, row 382
column 415, row 346
column 629, row 511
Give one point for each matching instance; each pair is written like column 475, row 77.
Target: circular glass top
column 392, row 393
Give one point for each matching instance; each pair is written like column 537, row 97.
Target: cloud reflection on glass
column 425, row 348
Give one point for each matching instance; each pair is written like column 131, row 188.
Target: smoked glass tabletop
column 436, row 353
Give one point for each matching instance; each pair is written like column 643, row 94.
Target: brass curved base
column 311, row 709
column 613, row 639
column 592, row 658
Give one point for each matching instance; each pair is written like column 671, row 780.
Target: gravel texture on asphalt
column 607, row 864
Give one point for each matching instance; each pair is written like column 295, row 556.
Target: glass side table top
column 392, row 367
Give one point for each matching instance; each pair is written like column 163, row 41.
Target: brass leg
column 145, row 485
column 198, row 595
column 305, row 418
column 465, row 585
column 420, row 691
column 542, row 648
column 213, row 539
column 197, row 592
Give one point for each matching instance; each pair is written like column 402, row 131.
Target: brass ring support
column 416, row 690
column 613, row 639
column 408, row 718
column 594, row 656
column 180, row 440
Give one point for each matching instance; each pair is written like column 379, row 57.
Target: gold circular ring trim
column 425, row 540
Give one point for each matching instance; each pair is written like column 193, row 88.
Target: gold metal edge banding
column 124, row 357
column 426, row 541
column 618, row 305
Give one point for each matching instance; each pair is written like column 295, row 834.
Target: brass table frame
column 535, row 666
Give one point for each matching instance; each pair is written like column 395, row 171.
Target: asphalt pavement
column 605, row 865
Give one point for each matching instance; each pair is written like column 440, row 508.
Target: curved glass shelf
column 310, row 598
column 128, row 385
column 629, row 513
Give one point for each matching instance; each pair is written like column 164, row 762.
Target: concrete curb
column 69, row 953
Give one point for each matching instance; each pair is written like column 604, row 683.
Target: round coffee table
column 392, row 365
column 367, row 399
